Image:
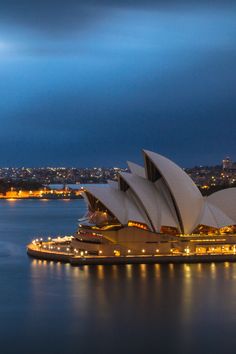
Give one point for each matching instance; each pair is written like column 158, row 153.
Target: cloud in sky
column 88, row 83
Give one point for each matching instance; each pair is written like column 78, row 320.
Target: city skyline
column 207, row 178
column 111, row 166
column 91, row 83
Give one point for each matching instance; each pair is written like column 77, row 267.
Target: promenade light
column 157, row 250
column 81, row 253
column 143, row 250
column 100, row 252
column 187, row 250
column 129, row 251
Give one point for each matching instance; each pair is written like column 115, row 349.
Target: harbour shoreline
column 76, row 260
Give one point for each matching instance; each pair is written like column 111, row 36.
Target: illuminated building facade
column 227, row 164
column 156, row 208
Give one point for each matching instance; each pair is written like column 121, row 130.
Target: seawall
column 100, row 260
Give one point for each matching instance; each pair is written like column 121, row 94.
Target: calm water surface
column 56, row 308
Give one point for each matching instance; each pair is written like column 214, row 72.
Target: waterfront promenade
column 59, row 250
column 45, row 193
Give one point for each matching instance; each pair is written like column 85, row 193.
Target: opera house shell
column 156, row 208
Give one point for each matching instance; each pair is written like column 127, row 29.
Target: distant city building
column 227, row 163
column 205, row 177
column 61, row 175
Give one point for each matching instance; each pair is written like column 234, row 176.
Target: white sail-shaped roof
column 214, row 217
column 225, row 200
column 136, row 169
column 117, row 202
column 170, row 218
column 207, row 218
column 162, row 194
column 153, row 202
column 187, row 197
column 221, row 218
column 113, row 184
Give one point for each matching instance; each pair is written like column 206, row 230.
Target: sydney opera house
column 156, row 209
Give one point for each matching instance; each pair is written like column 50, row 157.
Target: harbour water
column 56, row 308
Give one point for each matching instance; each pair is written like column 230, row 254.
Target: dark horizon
column 92, row 83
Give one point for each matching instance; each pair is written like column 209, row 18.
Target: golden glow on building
column 208, row 230
column 138, row 225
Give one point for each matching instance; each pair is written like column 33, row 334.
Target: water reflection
column 157, row 270
column 143, row 271
column 100, row 270
column 103, row 309
column 179, row 299
column 213, row 270
column 128, row 268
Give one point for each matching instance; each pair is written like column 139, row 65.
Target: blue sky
column 87, row 83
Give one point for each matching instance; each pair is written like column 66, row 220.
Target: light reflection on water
column 106, row 309
column 152, row 300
